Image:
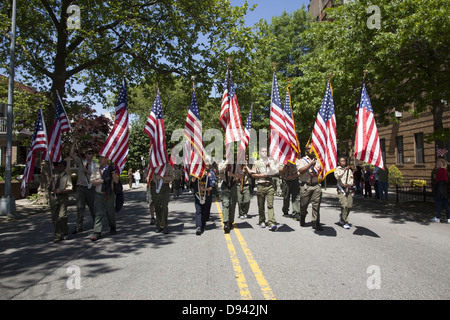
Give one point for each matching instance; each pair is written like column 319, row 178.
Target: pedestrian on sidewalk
column 61, row 186
column 85, row 193
column 137, row 178
column 103, row 181
column 440, row 190
column 344, row 177
column 383, row 183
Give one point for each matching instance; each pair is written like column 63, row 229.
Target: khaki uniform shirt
column 65, row 181
column 223, row 168
column 306, row 176
column 84, row 179
column 343, row 177
column 290, row 171
column 266, row 167
column 168, row 176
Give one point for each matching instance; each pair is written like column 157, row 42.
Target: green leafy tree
column 406, row 57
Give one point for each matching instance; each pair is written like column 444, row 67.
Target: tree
column 407, row 59
column 142, row 36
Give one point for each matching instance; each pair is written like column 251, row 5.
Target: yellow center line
column 240, row 278
column 245, row 293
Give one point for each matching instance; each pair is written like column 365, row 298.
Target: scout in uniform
column 310, row 190
column 61, row 186
column 291, row 189
column 263, row 171
column 85, row 193
column 160, row 188
column 243, row 192
column 229, row 173
column 344, row 177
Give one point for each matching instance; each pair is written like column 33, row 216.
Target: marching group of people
column 99, row 188
column 300, row 187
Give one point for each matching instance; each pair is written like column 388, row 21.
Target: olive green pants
column 229, row 200
column 346, row 202
column 266, row 192
column 58, row 207
column 243, row 199
column 291, row 191
column 161, row 204
column 313, row 195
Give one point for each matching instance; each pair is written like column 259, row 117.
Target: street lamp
column 7, row 203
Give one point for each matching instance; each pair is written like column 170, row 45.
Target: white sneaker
column 435, row 219
column 346, row 226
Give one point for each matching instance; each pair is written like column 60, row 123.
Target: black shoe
column 77, row 231
column 96, row 236
column 302, row 221
column 165, row 230
column 317, row 226
column 159, row 230
column 226, row 227
column 112, row 231
column 198, row 231
column 152, row 220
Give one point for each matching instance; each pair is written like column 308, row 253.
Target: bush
column 395, row 176
column 418, row 183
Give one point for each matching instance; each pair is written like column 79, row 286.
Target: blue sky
column 266, row 9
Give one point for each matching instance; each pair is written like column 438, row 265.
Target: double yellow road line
column 242, row 283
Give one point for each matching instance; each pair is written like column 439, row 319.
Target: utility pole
column 7, row 203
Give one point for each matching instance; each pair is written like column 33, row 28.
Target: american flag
column 194, row 154
column 38, row 143
column 230, row 117
column 116, row 146
column 60, row 125
column 290, row 126
column 323, row 138
column 280, row 146
column 367, row 142
column 155, row 129
column 245, row 139
column 441, row 152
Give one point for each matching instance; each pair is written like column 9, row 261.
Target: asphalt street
column 390, row 252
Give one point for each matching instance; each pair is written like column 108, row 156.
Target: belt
column 311, row 184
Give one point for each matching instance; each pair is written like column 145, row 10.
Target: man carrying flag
column 162, row 172
column 38, row 143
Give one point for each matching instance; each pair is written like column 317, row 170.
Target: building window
column 399, row 149
column 420, row 154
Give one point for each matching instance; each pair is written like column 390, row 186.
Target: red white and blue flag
column 323, row 138
column 194, row 153
column 280, row 145
column 290, row 127
column 367, row 141
column 38, row 143
column 60, row 125
column 155, row 129
column 116, row 146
